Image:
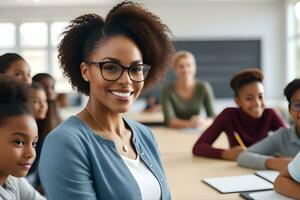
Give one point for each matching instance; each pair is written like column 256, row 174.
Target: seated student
column 183, row 99
column 53, row 118
column 18, row 137
column 38, row 101
column 39, row 107
column 288, row 182
column 251, row 120
column 285, row 142
column 15, row 66
column 47, row 122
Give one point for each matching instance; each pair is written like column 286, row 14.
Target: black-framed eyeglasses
column 295, row 105
column 112, row 71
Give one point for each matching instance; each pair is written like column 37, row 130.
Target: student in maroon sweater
column 251, row 120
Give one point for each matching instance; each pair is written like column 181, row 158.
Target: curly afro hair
column 13, row 99
column 244, row 77
column 85, row 33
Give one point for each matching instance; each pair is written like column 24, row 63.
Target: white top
column 294, row 168
column 18, row 189
column 147, row 182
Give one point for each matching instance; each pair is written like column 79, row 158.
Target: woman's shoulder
column 168, row 87
column 137, row 125
column 71, row 128
column 142, row 131
column 203, row 83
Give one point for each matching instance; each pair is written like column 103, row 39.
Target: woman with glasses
column 276, row 151
column 99, row 154
column 183, row 100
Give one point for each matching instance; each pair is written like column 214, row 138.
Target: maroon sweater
column 233, row 120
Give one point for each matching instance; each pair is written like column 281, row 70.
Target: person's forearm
column 277, row 163
column 206, row 150
column 179, row 123
column 252, row 160
column 287, row 187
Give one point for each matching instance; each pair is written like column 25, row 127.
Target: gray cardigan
column 76, row 163
column 283, row 142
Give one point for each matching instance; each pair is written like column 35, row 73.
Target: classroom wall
column 237, row 20
column 204, row 20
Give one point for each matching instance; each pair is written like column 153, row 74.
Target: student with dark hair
column 52, row 118
column 48, row 82
column 288, row 181
column 18, row 138
column 183, row 99
column 39, row 107
column 275, row 151
column 38, row 101
column 15, row 66
column 43, row 91
column 100, row 154
column 250, row 121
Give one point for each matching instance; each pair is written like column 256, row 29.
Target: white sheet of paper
column 241, row 183
column 271, row 194
column 269, row 175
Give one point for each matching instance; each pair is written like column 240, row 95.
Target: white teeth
column 127, row 94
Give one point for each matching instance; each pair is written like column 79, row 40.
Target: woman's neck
column 185, row 83
column 107, row 121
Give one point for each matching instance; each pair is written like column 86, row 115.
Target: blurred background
column 224, row 35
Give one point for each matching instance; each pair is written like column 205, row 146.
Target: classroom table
column 184, row 171
column 147, row 118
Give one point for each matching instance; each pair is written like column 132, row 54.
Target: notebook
column 243, row 183
column 269, row 175
column 264, row 195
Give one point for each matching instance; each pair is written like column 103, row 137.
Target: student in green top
column 183, row 99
